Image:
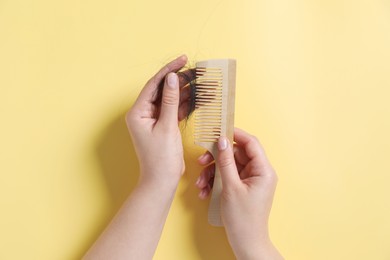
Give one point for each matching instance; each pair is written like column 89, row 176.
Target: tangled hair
column 187, row 78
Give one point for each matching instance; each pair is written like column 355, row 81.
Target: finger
column 240, row 155
column 205, row 176
column 205, row 158
column 170, row 101
column 245, row 173
column 226, row 163
column 185, row 77
column 204, row 192
column 252, row 146
column 148, row 92
column 240, row 169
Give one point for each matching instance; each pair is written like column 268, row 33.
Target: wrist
column 248, row 246
column 158, row 182
column 250, row 253
column 163, row 173
column 264, row 250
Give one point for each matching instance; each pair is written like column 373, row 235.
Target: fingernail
column 203, row 156
column 183, row 57
column 172, row 80
column 202, row 194
column 222, row 143
column 197, row 181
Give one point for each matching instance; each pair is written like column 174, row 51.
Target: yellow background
column 313, row 84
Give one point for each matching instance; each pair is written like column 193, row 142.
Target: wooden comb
column 214, row 117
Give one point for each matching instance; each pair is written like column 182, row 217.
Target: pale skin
column 249, row 180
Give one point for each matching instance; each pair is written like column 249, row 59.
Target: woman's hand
column 153, row 124
column 249, row 182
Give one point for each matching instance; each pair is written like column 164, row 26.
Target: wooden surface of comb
column 214, row 117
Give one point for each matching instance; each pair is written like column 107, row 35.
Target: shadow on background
column 118, row 161
column 119, row 167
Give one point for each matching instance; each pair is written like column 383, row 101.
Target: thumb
column 226, row 163
column 170, row 101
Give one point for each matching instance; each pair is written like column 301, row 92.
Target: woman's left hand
column 153, row 124
column 153, row 121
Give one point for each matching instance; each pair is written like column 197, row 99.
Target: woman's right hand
column 249, row 183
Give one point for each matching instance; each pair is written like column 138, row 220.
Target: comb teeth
column 214, row 116
column 208, row 104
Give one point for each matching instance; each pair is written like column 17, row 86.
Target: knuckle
column 225, row 161
column 168, row 68
column 272, row 176
column 254, row 139
column 129, row 117
column 165, row 70
column 170, row 99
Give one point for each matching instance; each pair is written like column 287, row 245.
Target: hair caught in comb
column 187, row 92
